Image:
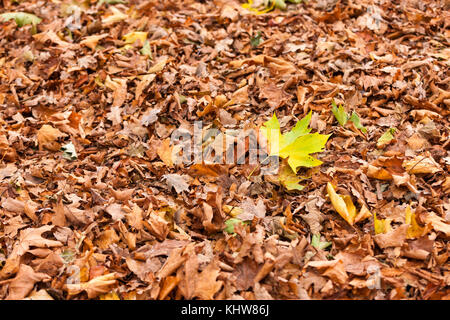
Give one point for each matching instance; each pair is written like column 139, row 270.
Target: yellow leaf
column 132, row 37
column 414, row 229
column 297, row 144
column 342, row 204
column 232, row 210
column 381, row 225
column 109, row 296
column 249, row 6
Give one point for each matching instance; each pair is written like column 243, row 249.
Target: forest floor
column 96, row 204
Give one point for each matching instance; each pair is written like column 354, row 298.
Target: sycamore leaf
column 296, row 145
column 386, row 138
column 339, row 113
column 316, row 243
column 21, row 18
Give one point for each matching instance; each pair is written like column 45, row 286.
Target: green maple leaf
column 295, row 145
column 21, row 18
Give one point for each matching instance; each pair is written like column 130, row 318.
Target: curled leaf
column 342, row 204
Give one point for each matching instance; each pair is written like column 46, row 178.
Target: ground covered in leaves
column 94, row 206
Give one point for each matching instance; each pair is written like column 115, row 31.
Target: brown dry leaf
column 157, row 226
column 107, row 238
column 39, row 295
column 394, row 238
column 240, row 95
column 166, row 152
column 334, row 269
column 115, row 211
column 438, row 223
column 24, row 282
column 275, row 96
column 277, row 66
column 95, row 287
column 134, row 217
column 91, row 41
column 47, row 136
column 31, row 237
column 206, row 283
column 421, row 164
column 179, row 182
column 159, row 65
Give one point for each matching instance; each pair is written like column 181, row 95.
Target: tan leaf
column 421, row 164
column 47, row 136
column 394, row 238
column 165, row 152
column 95, row 287
column 438, row 223
column 206, row 282
column 24, row 282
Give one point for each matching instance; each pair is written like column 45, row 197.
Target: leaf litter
column 352, row 97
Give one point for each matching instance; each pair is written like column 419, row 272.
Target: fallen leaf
column 24, row 282
column 47, row 136
column 95, row 287
column 179, row 182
